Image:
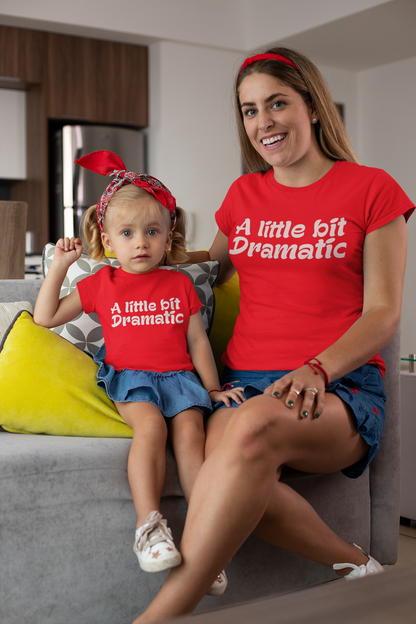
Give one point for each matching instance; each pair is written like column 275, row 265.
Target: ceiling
column 377, row 36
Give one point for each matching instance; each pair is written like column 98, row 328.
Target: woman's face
column 279, row 124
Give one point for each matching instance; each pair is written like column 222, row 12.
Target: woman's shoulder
column 364, row 172
column 378, row 188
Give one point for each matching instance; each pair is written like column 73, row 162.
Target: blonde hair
column 130, row 194
column 309, row 83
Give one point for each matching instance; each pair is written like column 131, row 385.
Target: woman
column 319, row 244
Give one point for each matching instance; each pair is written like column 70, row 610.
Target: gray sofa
column 67, row 521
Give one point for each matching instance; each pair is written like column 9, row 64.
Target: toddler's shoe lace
column 154, row 545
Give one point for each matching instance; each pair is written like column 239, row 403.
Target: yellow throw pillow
column 49, row 386
column 227, row 308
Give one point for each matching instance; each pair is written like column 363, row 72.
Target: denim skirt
column 171, row 392
column 362, row 390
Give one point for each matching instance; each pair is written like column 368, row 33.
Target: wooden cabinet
column 122, row 83
column 22, row 54
column 99, row 81
column 69, row 78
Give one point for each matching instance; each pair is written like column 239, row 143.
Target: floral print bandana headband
column 107, row 163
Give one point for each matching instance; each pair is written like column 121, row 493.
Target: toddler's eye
column 126, row 233
column 152, row 232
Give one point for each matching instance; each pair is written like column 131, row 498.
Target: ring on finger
column 295, row 391
column 313, row 390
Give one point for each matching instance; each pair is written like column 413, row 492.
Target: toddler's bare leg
column 146, row 463
column 188, row 441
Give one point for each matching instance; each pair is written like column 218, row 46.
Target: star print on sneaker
column 219, row 585
column 153, row 545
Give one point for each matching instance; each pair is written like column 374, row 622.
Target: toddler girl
column 154, row 339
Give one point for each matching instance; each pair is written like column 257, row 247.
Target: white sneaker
column 219, row 585
column 372, row 567
column 153, row 545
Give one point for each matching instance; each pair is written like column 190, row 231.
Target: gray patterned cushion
column 85, row 331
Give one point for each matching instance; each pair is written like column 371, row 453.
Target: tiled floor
column 407, row 544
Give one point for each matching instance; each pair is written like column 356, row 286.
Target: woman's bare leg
column 283, row 523
column 188, row 442
column 146, row 463
column 215, row 428
column 237, row 486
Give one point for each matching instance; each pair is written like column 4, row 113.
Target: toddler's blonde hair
column 130, row 195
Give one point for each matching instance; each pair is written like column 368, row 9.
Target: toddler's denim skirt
column 362, row 390
column 171, row 392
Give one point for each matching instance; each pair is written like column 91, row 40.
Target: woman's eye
column 277, row 104
column 249, row 112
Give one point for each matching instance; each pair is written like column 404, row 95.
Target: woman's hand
column 301, row 387
column 67, row 250
column 236, row 394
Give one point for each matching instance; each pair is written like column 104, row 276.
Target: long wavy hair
column 309, row 83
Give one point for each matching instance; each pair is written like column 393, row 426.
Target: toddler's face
column 138, row 234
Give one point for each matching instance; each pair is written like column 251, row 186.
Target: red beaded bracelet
column 317, row 364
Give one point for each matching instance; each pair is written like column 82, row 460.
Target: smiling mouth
column 277, row 138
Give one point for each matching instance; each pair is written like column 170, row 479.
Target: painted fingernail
column 290, row 403
column 304, row 414
column 276, row 394
column 317, row 415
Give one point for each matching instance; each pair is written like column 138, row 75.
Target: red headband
column 263, row 57
column 109, row 164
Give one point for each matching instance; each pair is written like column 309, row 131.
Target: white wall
column 343, row 86
column 387, row 130
column 229, row 24
column 215, row 23
column 12, row 134
column 270, row 20
column 192, row 145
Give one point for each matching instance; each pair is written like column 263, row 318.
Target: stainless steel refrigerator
column 74, row 189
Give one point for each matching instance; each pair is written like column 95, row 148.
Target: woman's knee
column 255, row 428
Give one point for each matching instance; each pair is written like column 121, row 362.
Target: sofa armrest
column 385, row 467
column 19, row 290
